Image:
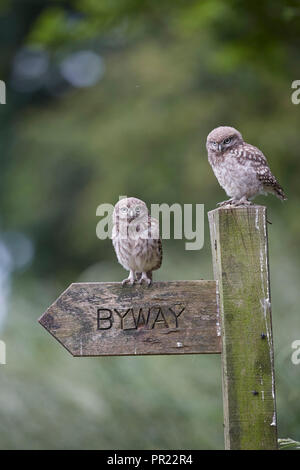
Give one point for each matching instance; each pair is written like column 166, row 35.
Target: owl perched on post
column 241, row 169
column 136, row 240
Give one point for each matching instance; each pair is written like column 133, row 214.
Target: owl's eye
column 124, row 210
column 137, row 209
column 227, row 141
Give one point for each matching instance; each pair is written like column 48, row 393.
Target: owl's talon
column 235, row 202
column 242, row 202
column 142, row 281
column 128, row 281
column 145, row 280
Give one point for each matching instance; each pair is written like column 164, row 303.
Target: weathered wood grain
column 240, row 254
column 102, row 318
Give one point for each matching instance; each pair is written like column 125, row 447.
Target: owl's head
column 223, row 138
column 129, row 209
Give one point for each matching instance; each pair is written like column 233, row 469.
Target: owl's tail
column 271, row 185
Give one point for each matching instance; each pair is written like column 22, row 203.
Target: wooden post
column 240, row 255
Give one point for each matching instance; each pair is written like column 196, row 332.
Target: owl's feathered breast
column 138, row 246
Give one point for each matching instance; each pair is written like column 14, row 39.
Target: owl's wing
column 259, row 162
column 153, row 224
column 247, row 152
column 148, row 228
column 159, row 254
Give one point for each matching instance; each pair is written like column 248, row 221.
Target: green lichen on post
column 240, row 254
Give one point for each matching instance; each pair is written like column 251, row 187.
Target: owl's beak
column 131, row 214
column 220, row 148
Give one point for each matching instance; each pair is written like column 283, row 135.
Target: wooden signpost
column 230, row 315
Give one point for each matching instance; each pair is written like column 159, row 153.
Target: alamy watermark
column 2, row 92
column 186, row 221
column 296, row 94
column 295, row 358
column 2, row 352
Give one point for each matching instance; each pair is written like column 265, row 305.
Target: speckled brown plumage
column 136, row 240
column 241, row 169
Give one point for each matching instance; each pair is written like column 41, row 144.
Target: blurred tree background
column 106, row 98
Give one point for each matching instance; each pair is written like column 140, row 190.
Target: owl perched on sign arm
column 241, row 169
column 136, row 240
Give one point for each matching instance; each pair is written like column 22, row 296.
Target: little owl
column 136, row 240
column 241, row 169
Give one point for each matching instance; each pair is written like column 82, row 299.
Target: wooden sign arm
column 241, row 267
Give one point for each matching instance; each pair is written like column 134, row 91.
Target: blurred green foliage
column 174, row 71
